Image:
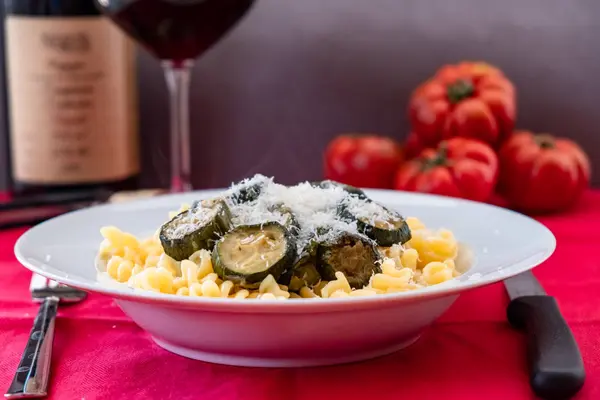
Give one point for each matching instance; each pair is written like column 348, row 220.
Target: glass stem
column 178, row 83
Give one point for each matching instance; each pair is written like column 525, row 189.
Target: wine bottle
column 4, row 153
column 71, row 98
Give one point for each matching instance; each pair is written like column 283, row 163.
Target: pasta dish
column 263, row 240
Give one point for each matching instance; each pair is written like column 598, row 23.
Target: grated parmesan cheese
column 312, row 207
column 369, row 211
column 250, row 214
column 190, row 221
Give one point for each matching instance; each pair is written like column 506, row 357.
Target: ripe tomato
column 413, row 146
column 362, row 160
column 541, row 173
column 473, row 100
column 459, row 167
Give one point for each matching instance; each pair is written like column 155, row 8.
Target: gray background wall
column 294, row 74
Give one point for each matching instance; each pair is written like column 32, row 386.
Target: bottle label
column 71, row 92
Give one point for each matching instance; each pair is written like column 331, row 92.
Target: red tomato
column 473, row 100
column 363, row 160
column 540, row 173
column 459, row 167
column 413, row 146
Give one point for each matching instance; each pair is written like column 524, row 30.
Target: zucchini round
column 353, row 255
column 247, row 193
column 255, row 213
column 248, row 254
column 304, row 271
column 289, row 219
column 326, row 184
column 304, row 275
column 386, row 227
column 195, row 229
column 385, row 233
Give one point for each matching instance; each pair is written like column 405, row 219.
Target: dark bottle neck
column 55, row 8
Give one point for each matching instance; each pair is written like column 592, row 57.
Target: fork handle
column 31, row 378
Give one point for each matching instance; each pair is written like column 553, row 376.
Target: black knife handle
column 555, row 364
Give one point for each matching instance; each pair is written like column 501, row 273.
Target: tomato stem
column 460, row 90
column 438, row 160
column 545, row 141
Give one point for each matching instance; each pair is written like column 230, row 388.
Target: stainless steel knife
column 555, row 365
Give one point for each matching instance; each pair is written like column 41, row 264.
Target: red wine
column 70, row 75
column 176, row 30
column 49, row 8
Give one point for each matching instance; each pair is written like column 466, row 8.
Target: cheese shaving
column 370, row 212
column 315, row 209
column 190, row 221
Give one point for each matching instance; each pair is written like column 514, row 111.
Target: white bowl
column 300, row 332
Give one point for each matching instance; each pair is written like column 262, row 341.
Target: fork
column 31, row 378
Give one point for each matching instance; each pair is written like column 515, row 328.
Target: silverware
column 555, row 365
column 31, row 379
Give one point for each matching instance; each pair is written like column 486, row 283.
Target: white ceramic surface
column 292, row 333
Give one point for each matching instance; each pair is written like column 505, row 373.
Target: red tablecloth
column 471, row 353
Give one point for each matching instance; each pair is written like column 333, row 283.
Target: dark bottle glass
column 71, row 98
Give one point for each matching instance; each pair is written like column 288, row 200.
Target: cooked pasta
column 270, row 286
column 427, row 259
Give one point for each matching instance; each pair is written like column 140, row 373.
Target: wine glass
column 176, row 32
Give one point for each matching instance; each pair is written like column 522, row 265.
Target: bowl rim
column 449, row 288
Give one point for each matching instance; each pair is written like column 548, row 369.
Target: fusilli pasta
column 427, row 259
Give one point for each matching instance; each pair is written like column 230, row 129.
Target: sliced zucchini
column 195, row 229
column 309, row 250
column 253, row 214
column 247, row 193
column 289, row 219
column 326, row 184
column 304, row 271
column 305, row 274
column 354, row 255
column 386, row 227
column 248, row 254
column 386, row 233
